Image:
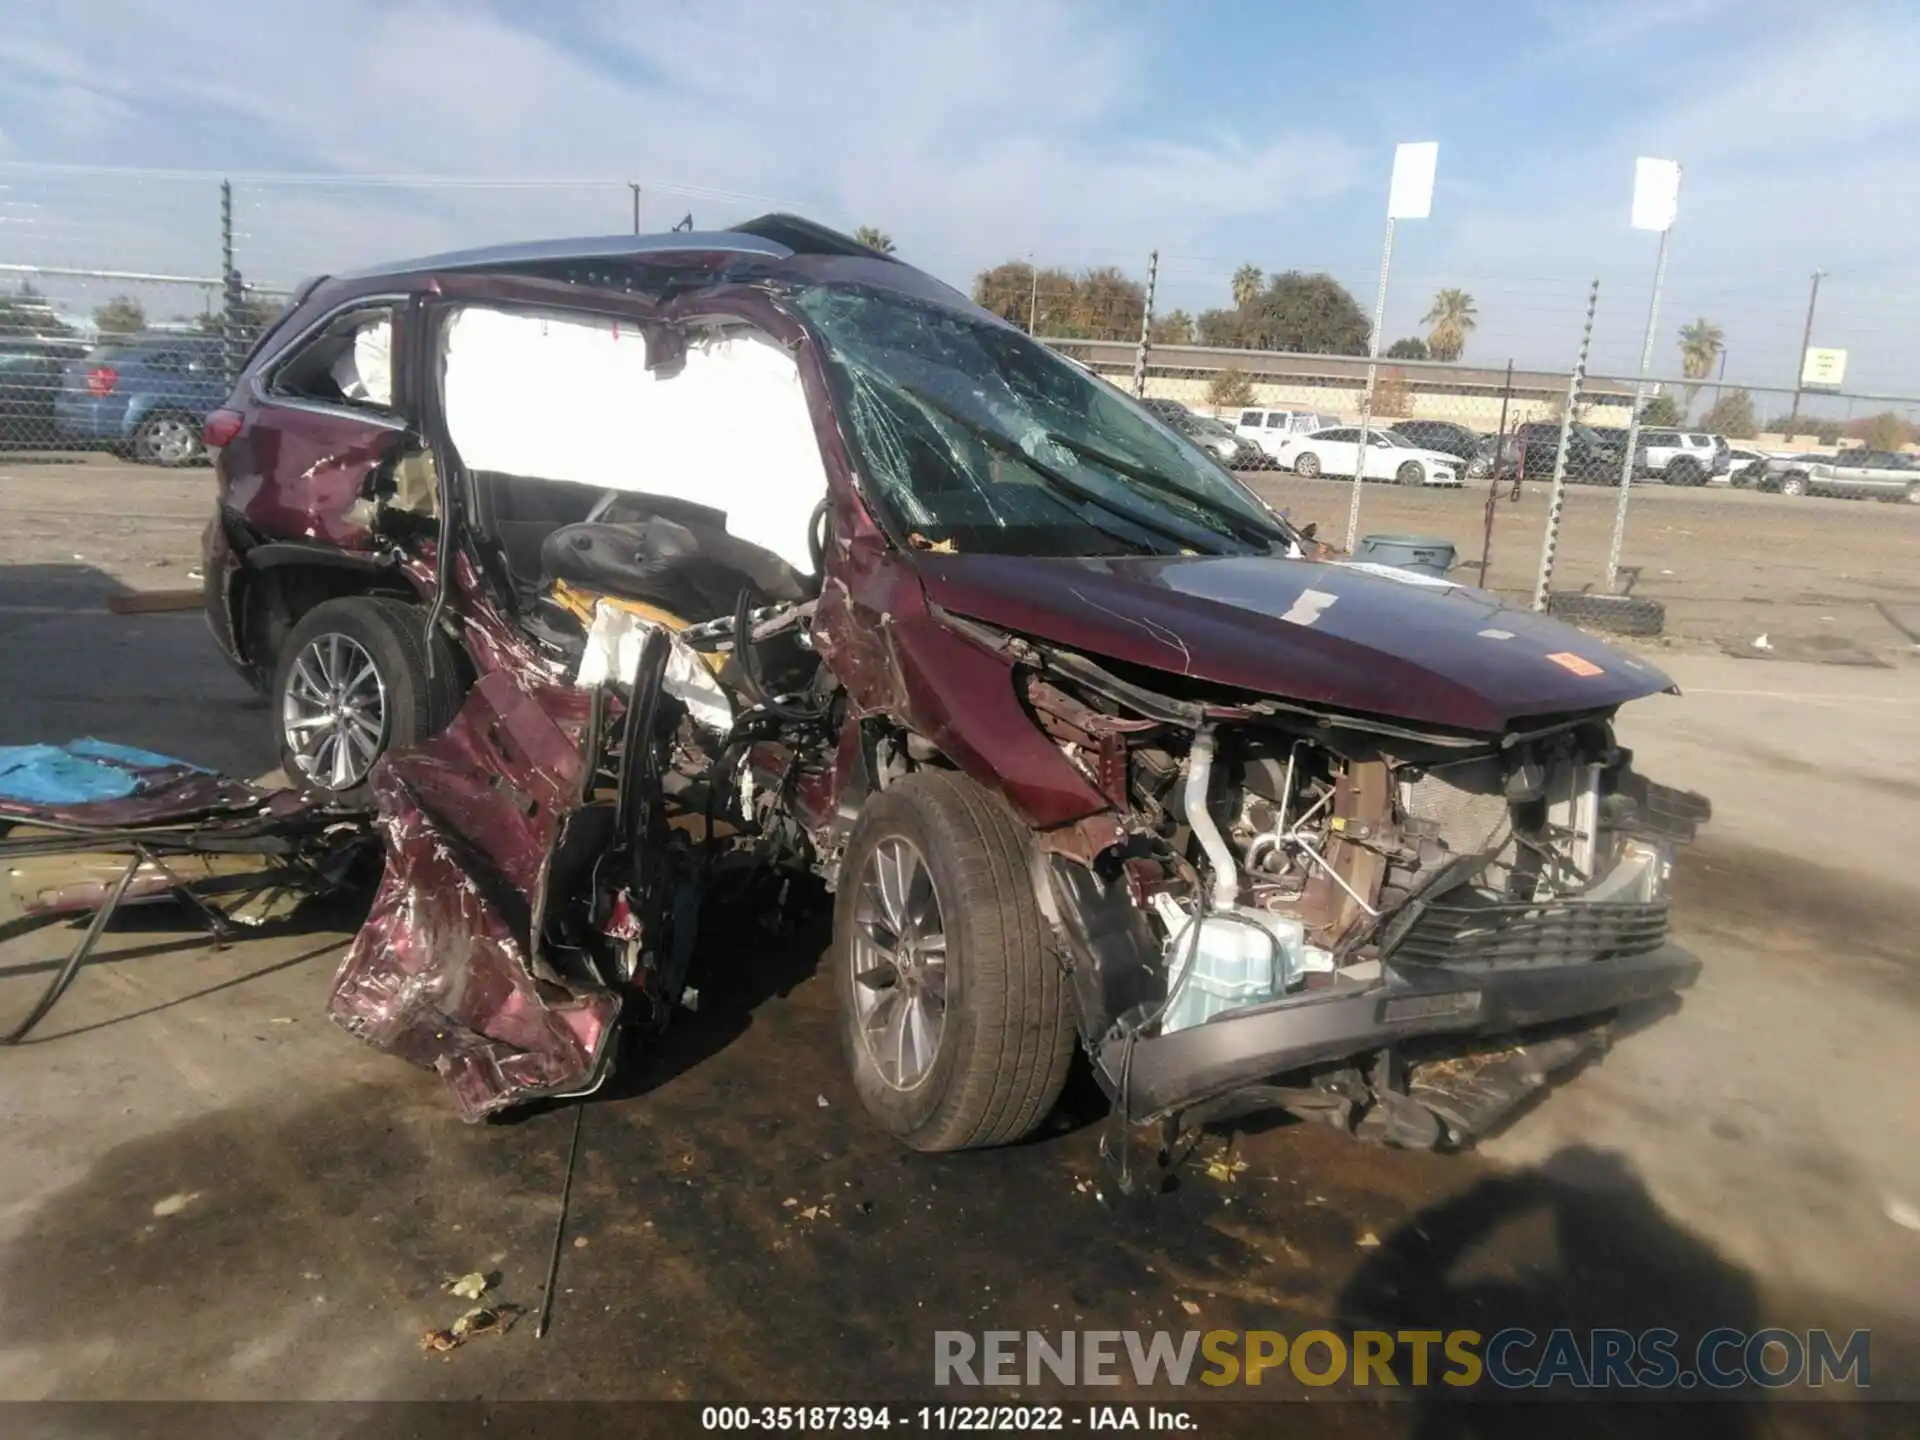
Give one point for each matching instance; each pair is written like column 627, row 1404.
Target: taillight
column 221, row 427
column 101, row 379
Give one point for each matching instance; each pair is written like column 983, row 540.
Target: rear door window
column 348, row 362
column 1250, row 418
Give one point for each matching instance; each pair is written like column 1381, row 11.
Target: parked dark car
column 1090, row 745
column 1591, row 458
column 1441, row 435
column 30, row 378
column 147, row 396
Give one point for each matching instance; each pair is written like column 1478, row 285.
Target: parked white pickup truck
column 1855, row 474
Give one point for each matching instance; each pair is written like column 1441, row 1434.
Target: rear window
column 1249, row 417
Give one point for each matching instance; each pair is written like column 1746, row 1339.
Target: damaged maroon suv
column 600, row 571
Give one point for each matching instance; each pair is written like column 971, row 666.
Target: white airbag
column 570, row 398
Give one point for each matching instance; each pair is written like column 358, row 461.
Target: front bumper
column 1246, row 1047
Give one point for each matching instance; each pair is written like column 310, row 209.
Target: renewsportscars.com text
column 1511, row 1359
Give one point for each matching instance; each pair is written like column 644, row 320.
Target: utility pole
column 634, row 185
column 1721, row 378
column 1033, row 296
column 1806, row 339
column 1146, row 324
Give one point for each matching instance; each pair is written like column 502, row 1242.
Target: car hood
column 1351, row 636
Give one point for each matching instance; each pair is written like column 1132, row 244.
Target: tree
column 1885, row 431
column 1411, row 348
column 1732, row 415
column 874, row 238
column 1311, row 314
column 1229, row 390
column 1391, row 397
column 1700, row 346
column 122, row 315
column 1451, row 318
column 1247, row 283
column 1099, row 304
column 1175, row 328
column 1661, row 411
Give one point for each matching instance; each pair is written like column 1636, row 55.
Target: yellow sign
column 1823, row 369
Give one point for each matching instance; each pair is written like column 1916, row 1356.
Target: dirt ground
column 212, row 1193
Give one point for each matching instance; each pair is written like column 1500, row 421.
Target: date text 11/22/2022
column 1014, row 1419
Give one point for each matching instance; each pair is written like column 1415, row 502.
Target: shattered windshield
column 975, row 438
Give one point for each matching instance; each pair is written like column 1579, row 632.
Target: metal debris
column 481, row 1320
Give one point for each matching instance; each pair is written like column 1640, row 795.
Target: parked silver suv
column 1680, row 457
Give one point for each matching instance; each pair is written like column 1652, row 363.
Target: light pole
column 1656, row 199
column 1409, row 197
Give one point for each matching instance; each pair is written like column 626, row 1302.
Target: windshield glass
column 975, row 438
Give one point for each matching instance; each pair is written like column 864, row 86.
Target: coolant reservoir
column 1241, row 958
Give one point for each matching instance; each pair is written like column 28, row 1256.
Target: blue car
column 146, row 396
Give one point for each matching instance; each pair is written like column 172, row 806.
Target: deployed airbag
column 570, row 398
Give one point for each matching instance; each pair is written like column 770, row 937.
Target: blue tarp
column 77, row 772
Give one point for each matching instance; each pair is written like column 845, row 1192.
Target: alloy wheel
column 171, row 440
column 334, row 711
column 899, row 960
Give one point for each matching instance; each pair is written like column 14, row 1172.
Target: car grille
column 1499, row 934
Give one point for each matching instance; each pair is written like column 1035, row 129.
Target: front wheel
column 954, row 1013
column 1307, row 465
column 1411, row 474
column 1794, row 485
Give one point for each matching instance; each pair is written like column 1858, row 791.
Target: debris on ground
column 481, row 1320
column 1368, row 1241
column 175, row 1203
column 468, row 1287
column 1225, row 1167
column 1190, row 1307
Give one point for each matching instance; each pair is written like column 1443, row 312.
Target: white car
column 1269, row 429
column 1389, row 456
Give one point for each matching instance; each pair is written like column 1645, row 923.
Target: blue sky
column 1080, row 132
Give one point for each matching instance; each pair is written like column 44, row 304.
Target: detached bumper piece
column 1415, row 1009
column 90, row 827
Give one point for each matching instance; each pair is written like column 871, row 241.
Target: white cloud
column 970, row 133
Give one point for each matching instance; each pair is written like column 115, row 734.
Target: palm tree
column 874, row 238
column 1451, row 317
column 1700, row 346
column 1247, row 281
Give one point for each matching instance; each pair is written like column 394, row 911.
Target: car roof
column 601, row 247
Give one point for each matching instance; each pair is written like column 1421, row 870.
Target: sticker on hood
column 1308, row 607
column 1578, row 664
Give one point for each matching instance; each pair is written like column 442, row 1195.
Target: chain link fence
column 128, row 299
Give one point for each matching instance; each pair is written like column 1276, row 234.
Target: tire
column 1793, row 485
column 1615, row 614
column 998, row 1058
column 400, row 705
column 1684, row 472
column 1913, row 493
column 1411, row 473
column 169, row 438
column 1307, row 465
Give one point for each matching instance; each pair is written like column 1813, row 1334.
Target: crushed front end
column 1401, row 930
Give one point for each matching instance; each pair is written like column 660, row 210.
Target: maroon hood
column 1358, row 638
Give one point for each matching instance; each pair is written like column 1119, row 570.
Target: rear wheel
column 954, row 1014
column 1684, row 472
column 1411, row 474
column 352, row 684
column 1307, row 465
column 168, row 439
column 1794, row 485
